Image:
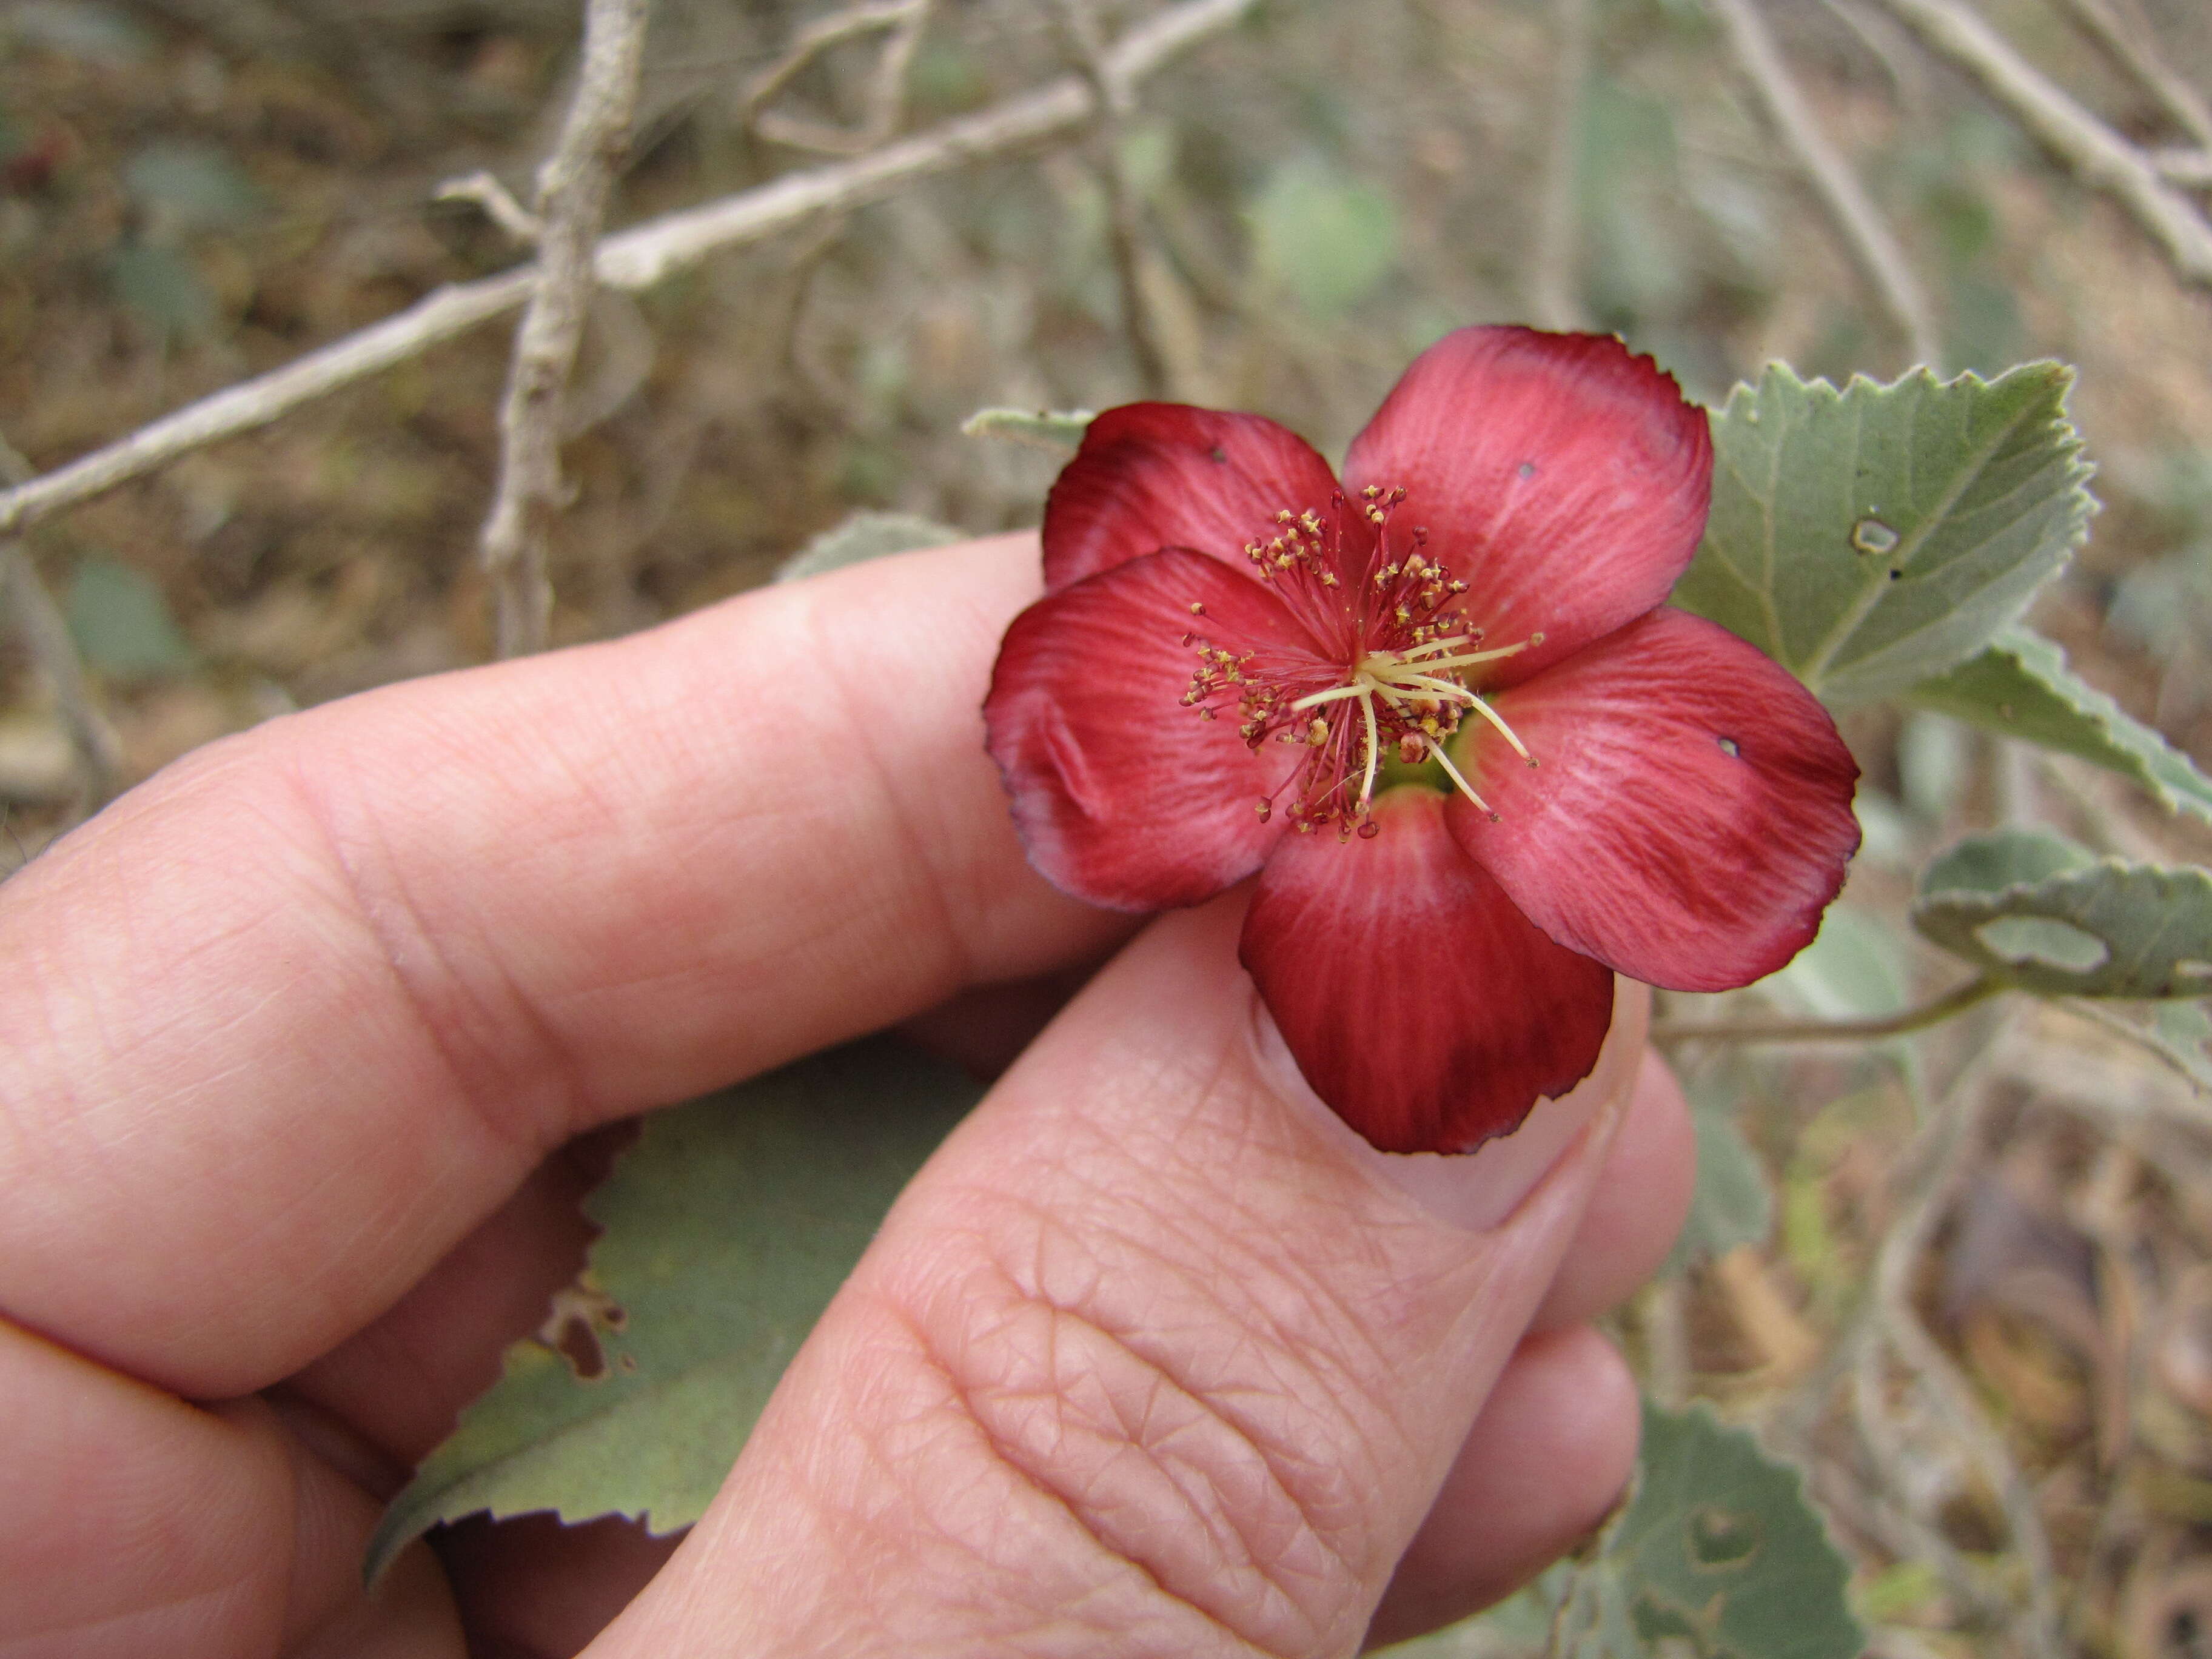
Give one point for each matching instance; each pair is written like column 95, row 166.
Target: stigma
column 1389, row 676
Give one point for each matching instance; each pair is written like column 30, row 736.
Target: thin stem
column 1667, row 1033
column 1866, row 237
column 636, row 259
column 573, row 189
column 1124, row 231
column 2085, row 145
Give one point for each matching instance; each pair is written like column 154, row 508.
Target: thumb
column 1154, row 1356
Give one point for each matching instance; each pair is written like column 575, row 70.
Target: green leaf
column 2021, row 687
column 2037, row 912
column 1990, row 863
column 1720, row 1546
column 1733, row 1203
column 1321, row 236
column 96, row 34
column 863, row 535
column 1849, row 971
column 727, row 1229
column 2176, row 1033
column 164, row 289
column 1869, row 539
column 122, row 623
column 1060, row 430
column 191, row 187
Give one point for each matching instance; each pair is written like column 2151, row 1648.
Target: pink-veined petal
column 1124, row 796
column 1563, row 480
column 1689, row 816
column 1418, row 1001
column 1150, row 475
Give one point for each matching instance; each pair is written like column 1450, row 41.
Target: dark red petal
column 1418, row 1001
column 1123, row 796
column 1150, row 475
column 1563, row 480
column 1690, row 815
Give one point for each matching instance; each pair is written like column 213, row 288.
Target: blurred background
column 194, row 192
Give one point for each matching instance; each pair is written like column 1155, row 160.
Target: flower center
column 1387, row 670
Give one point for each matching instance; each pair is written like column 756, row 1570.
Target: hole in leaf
column 2043, row 940
column 1730, row 747
column 1721, row 1538
column 1873, row 536
column 579, row 1344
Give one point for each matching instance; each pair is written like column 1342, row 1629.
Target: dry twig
column 637, row 258
column 2127, row 42
column 1951, row 1144
column 498, row 204
column 902, row 19
column 2076, row 138
column 572, row 188
column 1865, row 236
column 1124, row 227
column 45, row 635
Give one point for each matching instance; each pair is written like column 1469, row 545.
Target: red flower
column 1441, row 708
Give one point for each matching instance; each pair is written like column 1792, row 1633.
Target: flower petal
column 1124, row 796
column 1418, row 1001
column 1150, row 475
column 1690, row 813
column 1565, row 481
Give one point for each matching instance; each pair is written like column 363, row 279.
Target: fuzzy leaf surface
column 2021, row 687
column 1060, row 430
column 2038, row 912
column 1869, row 539
column 863, row 535
column 1732, row 1201
column 728, row 1227
column 1721, row 1546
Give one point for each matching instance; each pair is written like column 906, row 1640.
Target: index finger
column 288, row 1020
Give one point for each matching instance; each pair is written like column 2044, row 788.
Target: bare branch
column 2076, row 138
column 1555, row 286
column 2128, row 43
column 45, row 633
column 1954, row 1140
column 901, row 19
column 2188, row 167
column 1866, row 237
column 1124, row 227
column 498, row 204
column 45, row 636
column 637, row 258
column 572, row 188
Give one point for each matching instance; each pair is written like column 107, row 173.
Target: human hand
column 1154, row 1356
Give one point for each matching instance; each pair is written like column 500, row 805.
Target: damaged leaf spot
column 1730, row 747
column 572, row 1327
column 1722, row 1537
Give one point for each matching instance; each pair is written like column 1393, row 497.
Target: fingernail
column 1479, row 1190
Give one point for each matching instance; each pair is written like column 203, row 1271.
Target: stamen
column 1505, row 731
column 1435, row 751
column 1373, row 754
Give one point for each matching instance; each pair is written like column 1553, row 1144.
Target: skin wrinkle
column 1120, row 1563
column 1209, row 1194
column 1350, row 1328
column 1152, row 1349
column 416, row 952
